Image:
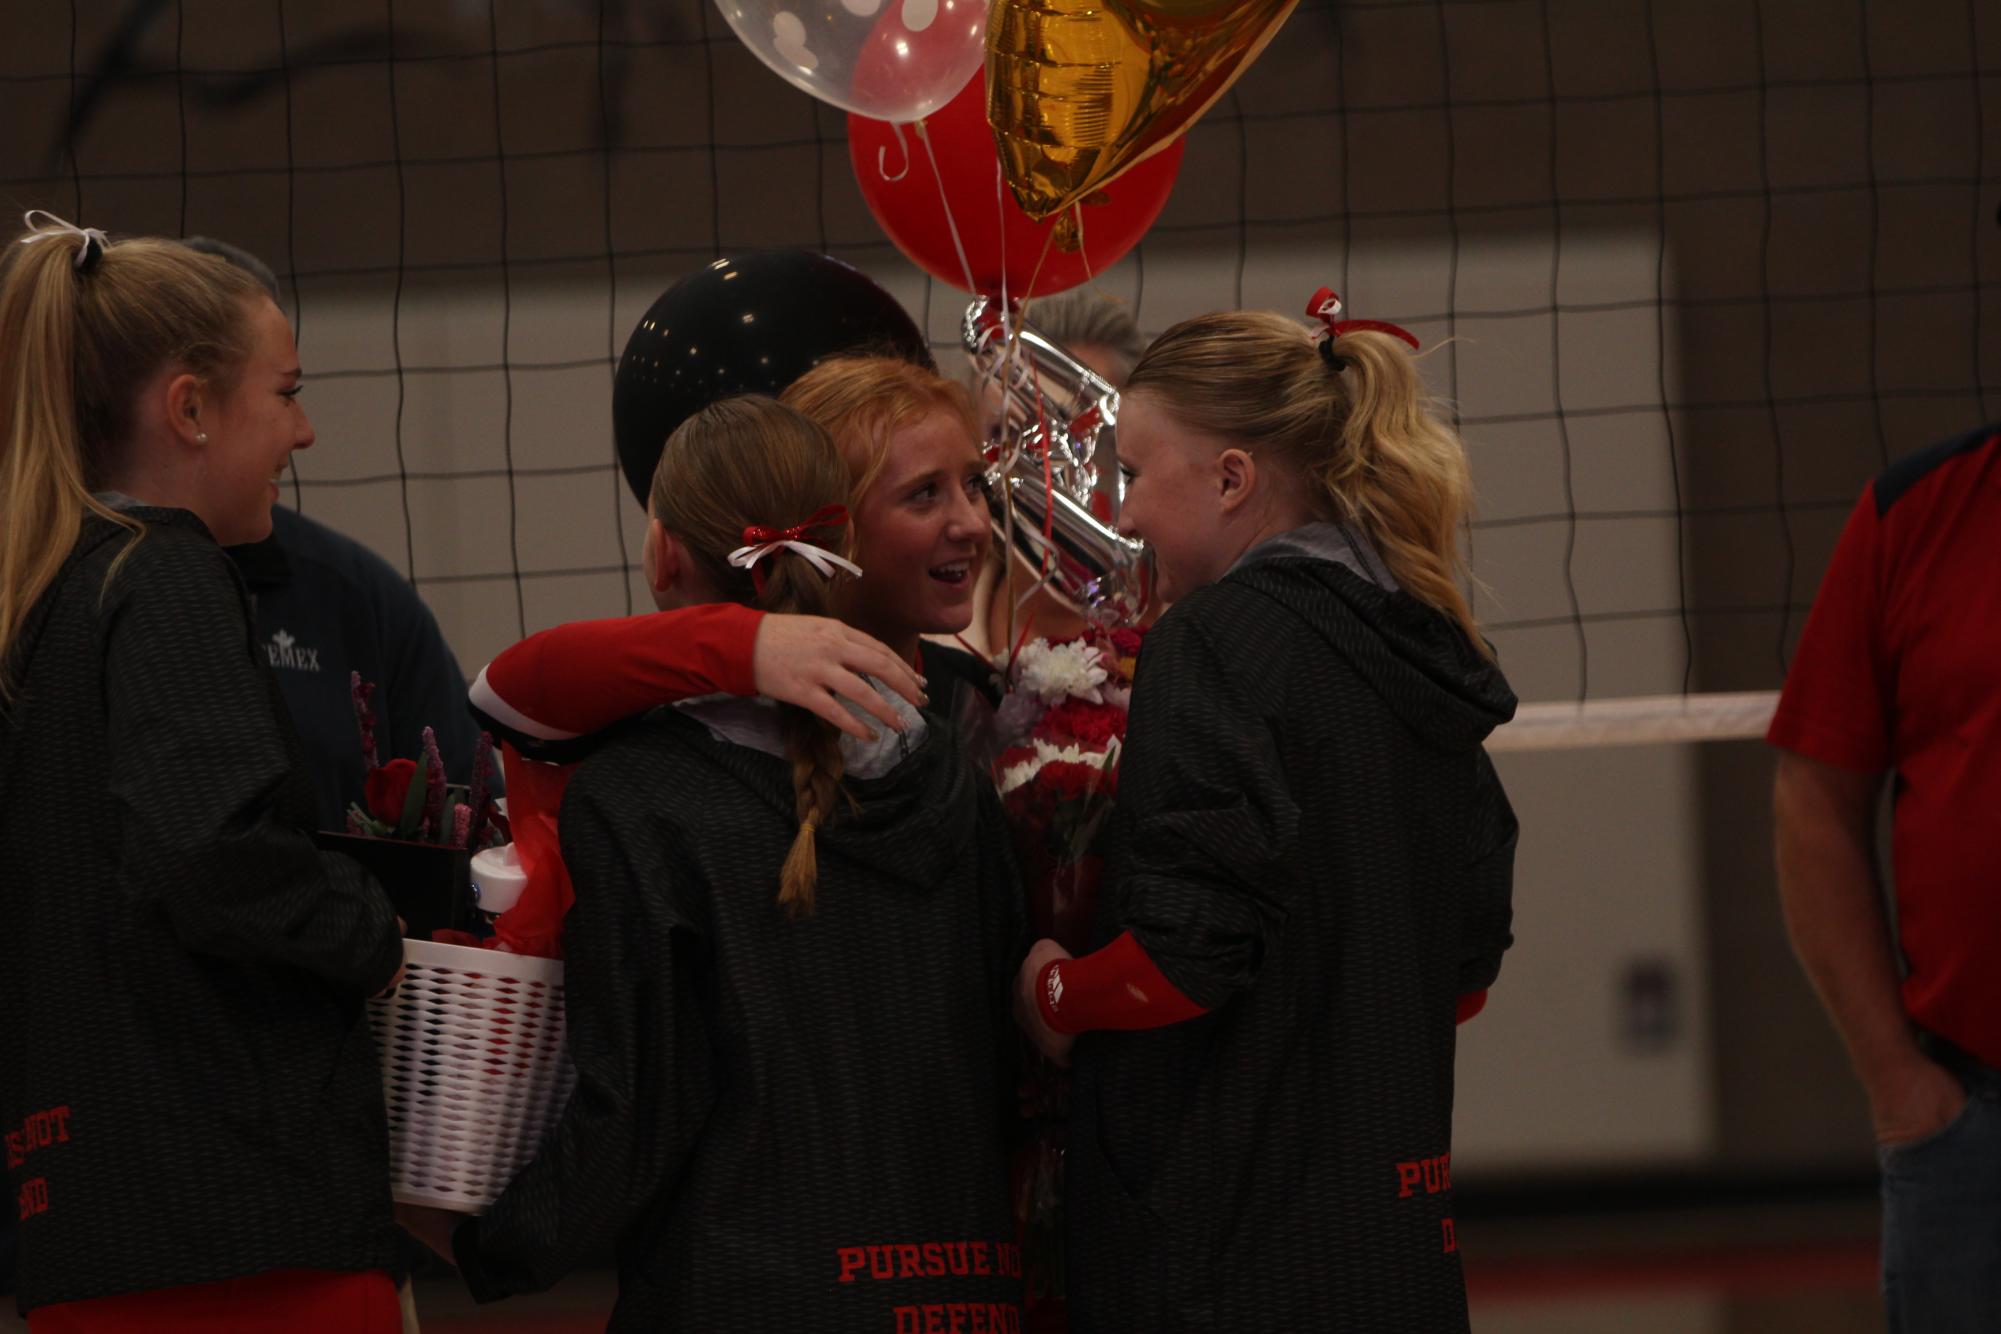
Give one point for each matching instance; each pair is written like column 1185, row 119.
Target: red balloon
column 1001, row 242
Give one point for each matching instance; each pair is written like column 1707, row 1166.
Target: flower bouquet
column 1063, row 723
column 415, row 832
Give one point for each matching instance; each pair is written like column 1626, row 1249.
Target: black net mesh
column 1696, row 270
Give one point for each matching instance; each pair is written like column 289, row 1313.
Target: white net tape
column 1639, row 720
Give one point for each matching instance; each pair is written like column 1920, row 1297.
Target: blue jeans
column 1942, row 1218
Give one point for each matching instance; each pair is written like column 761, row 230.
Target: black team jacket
column 1313, row 846
column 778, row 1124
column 188, row 1085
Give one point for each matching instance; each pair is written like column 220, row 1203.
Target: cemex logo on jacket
column 287, row 652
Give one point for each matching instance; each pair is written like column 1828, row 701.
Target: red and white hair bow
column 761, row 542
column 1325, row 306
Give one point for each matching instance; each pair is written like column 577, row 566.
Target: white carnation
column 1056, row 672
column 1017, row 774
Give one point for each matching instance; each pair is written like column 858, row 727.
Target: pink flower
column 358, row 692
column 434, row 788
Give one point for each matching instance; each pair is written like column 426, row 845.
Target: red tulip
column 386, row 789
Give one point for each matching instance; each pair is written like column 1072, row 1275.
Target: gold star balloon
column 1078, row 91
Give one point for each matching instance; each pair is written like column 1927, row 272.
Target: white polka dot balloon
column 894, row 60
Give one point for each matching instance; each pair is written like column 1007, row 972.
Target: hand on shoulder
column 815, row 663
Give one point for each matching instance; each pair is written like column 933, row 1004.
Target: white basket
column 473, row 1069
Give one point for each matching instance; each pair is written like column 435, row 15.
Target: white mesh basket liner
column 473, row 1069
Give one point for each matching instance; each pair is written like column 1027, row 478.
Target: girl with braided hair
column 789, row 961
column 919, row 525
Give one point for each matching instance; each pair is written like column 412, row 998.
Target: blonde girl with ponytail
column 788, row 966
column 183, row 969
column 1312, row 861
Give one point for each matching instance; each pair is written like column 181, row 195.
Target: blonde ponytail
column 43, row 494
column 753, row 461
column 1357, row 424
column 1401, row 474
column 76, row 340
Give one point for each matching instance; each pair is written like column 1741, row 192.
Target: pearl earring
column 201, row 437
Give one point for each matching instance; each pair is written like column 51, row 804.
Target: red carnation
column 1079, row 720
column 1030, row 806
column 1067, row 778
column 1126, row 641
column 386, row 789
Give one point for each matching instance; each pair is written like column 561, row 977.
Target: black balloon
column 751, row 324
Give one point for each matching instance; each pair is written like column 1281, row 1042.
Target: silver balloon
column 1089, row 565
column 1053, row 410
column 1047, row 397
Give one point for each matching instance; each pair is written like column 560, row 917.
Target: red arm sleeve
column 1835, row 707
column 575, row 679
column 1117, row 987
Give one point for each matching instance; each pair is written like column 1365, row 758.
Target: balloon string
column 1048, row 466
column 951, row 224
column 1007, row 567
column 882, row 156
column 1010, row 354
column 1042, row 259
column 1000, row 230
column 1083, row 250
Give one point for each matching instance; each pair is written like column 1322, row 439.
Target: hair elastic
column 91, row 241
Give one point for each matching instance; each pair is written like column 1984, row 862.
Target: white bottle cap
column 497, row 879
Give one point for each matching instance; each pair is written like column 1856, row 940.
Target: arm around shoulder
column 573, row 680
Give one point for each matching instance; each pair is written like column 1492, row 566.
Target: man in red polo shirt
column 1899, row 672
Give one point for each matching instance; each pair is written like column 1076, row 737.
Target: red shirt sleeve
column 1835, row 707
column 575, row 679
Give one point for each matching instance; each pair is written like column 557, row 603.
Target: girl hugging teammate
column 789, row 960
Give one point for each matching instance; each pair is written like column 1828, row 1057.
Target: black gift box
column 430, row 884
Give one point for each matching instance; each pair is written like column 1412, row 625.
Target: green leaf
column 367, row 823
column 413, row 801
